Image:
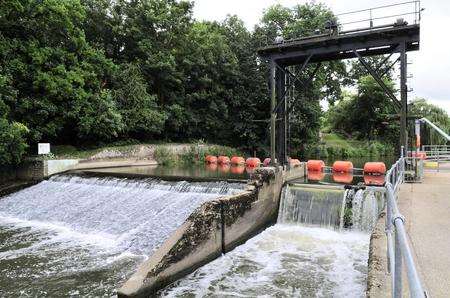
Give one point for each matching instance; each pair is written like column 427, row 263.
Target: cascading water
column 306, row 254
column 74, row 236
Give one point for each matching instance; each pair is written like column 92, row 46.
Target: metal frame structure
column 397, row 38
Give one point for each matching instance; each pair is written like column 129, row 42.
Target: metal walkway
column 426, row 207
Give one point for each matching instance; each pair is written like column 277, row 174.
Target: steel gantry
column 390, row 40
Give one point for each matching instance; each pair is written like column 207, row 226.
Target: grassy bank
column 163, row 153
column 334, row 145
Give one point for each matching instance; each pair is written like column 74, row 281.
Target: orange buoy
column 237, row 169
column 211, row 159
column 211, row 167
column 375, row 168
column 316, row 175
column 267, row 161
column 345, row 178
column 342, row 166
column 224, row 167
column 253, row 162
column 420, row 154
column 295, row 162
column 237, row 160
column 374, row 180
column 315, row 165
column 250, row 170
column 223, row 160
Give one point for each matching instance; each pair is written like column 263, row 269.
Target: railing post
column 398, row 267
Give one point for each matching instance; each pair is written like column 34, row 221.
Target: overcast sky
column 430, row 66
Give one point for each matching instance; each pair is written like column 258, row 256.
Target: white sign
column 43, row 148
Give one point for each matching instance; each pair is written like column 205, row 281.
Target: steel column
column 403, row 97
column 273, row 114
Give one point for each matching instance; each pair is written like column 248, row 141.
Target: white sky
column 430, row 66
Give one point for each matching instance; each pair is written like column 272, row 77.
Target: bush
column 12, row 142
column 165, row 156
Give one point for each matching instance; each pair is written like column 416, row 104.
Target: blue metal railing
column 398, row 247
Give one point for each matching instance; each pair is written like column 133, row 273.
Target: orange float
column 237, row 169
column 267, row 161
column 211, row 159
column 375, row 168
column 250, row 170
column 223, row 160
column 315, row 165
column 345, row 178
column 224, row 168
column 316, row 175
column 295, row 162
column 211, row 167
column 237, row 160
column 253, row 162
column 374, row 180
column 342, row 167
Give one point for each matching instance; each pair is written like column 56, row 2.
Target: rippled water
column 73, row 236
column 284, row 261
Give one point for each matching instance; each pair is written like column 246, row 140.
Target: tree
column 61, row 81
column 421, row 108
column 365, row 115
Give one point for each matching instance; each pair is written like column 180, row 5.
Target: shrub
column 164, row 156
column 12, row 142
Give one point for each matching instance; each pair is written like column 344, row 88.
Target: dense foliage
column 85, row 72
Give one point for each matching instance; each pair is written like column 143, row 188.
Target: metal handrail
column 398, row 247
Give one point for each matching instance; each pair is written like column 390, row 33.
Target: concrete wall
column 35, row 169
column 214, row 228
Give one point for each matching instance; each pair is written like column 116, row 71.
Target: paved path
column 426, row 207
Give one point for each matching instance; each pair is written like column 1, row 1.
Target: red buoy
column 223, row 160
column 253, row 162
column 267, row 161
column 316, row 175
column 345, row 178
column 315, row 165
column 375, row 168
column 224, row 168
column 211, row 167
column 237, row 160
column 374, row 180
column 211, row 159
column 237, row 169
column 342, row 167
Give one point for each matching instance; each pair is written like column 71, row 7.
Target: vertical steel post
column 398, row 267
column 273, row 115
column 403, row 97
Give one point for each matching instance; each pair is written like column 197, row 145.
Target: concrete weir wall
column 214, row 228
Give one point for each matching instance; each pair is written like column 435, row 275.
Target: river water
column 306, row 254
column 73, row 236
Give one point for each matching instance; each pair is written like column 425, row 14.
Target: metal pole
column 403, row 97
column 273, row 115
column 398, row 267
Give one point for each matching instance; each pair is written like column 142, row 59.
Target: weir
column 306, row 253
column 84, row 236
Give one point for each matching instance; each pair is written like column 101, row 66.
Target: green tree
column 420, row 108
column 60, row 80
column 366, row 115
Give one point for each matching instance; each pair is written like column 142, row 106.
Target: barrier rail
column 398, row 247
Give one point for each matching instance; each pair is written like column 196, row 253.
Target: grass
column 334, row 140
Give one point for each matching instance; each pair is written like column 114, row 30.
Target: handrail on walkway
column 398, row 248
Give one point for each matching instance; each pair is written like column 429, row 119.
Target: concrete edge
column 214, row 228
column 377, row 276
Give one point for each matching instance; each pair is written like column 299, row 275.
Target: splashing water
column 366, row 206
column 305, row 254
column 74, row 236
